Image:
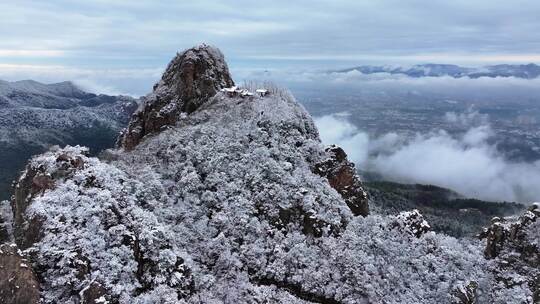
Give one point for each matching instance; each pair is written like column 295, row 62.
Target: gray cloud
column 145, row 34
column 467, row 164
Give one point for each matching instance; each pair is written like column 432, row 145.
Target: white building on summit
column 262, row 92
column 232, row 91
column 235, row 91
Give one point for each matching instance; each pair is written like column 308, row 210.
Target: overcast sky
column 120, row 38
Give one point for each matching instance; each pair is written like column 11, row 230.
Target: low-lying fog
column 472, row 161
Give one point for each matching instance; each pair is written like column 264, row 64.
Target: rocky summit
column 192, row 77
column 227, row 196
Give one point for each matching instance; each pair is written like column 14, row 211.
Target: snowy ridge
column 66, row 88
column 35, row 107
column 31, row 93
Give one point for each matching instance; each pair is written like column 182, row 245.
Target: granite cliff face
column 342, row 176
column 229, row 198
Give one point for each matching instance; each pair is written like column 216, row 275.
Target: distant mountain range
column 526, row 71
column 34, row 116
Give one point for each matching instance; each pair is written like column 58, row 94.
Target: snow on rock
column 230, row 204
column 465, row 294
column 513, row 245
column 39, row 176
column 412, row 222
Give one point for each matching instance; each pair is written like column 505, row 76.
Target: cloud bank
column 467, row 163
column 386, row 82
column 145, row 34
column 437, row 30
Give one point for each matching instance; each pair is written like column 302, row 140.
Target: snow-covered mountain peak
column 191, row 78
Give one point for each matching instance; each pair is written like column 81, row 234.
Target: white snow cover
column 218, row 205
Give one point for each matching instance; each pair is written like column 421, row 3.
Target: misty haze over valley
column 478, row 136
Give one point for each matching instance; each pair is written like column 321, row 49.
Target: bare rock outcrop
column 504, row 233
column 513, row 245
column 18, row 283
column 191, row 78
column 342, row 176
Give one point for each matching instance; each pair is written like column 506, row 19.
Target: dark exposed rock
column 25, row 189
column 342, row 176
column 465, row 294
column 81, row 264
column 295, row 290
column 18, row 283
column 191, row 78
column 310, row 224
column 412, row 222
column 4, row 235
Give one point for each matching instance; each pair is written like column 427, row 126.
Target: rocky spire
column 342, row 176
column 191, row 78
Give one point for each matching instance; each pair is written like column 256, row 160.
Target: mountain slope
column 233, row 201
column 34, row 116
column 446, row 211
